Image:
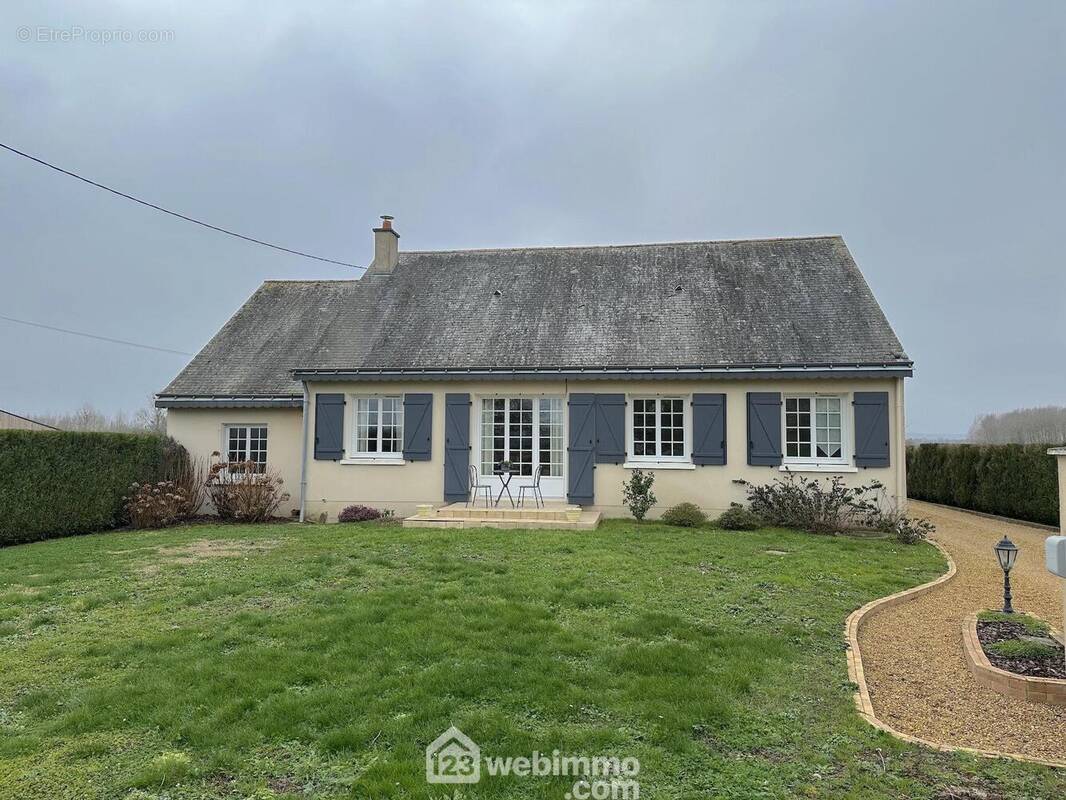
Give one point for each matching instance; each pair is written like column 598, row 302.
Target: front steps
column 558, row 516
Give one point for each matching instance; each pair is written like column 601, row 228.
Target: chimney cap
column 386, row 225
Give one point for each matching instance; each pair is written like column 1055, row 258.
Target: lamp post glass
column 1007, row 553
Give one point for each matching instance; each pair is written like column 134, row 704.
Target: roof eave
column 726, row 371
column 227, row 401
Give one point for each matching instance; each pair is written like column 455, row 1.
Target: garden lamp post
column 1007, row 553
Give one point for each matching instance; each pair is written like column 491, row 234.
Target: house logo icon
column 453, row 757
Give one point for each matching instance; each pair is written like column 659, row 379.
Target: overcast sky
column 929, row 134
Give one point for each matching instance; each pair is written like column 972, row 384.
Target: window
column 814, row 429
column 247, row 443
column 378, row 428
column 658, row 429
column 525, row 431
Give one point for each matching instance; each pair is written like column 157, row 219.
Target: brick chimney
column 386, row 248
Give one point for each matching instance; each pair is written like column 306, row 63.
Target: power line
column 94, row 336
column 175, row 213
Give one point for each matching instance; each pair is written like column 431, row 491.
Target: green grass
column 1017, row 648
column 321, row 665
column 1034, row 626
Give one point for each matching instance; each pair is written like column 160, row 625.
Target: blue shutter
column 329, row 427
column 610, row 428
column 456, row 446
column 582, row 449
column 417, row 427
column 871, row 429
column 708, row 429
column 764, row 429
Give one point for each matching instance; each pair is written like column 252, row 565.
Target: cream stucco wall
column 200, row 430
column 333, row 485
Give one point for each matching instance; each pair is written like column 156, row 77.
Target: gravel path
column 912, row 653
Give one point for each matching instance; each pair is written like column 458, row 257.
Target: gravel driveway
column 912, row 653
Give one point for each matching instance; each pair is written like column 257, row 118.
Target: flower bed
column 1022, row 645
column 1050, row 690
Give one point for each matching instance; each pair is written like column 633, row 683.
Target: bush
column 685, row 515
column 810, row 505
column 155, row 505
column 59, row 483
column 359, row 513
column 637, row 494
column 1011, row 480
column 911, row 530
column 190, row 476
column 244, row 491
column 738, row 518
column 800, row 502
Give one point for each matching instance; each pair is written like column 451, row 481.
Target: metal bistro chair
column 534, row 490
column 475, row 487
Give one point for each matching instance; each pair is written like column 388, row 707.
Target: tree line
column 88, row 418
column 1043, row 425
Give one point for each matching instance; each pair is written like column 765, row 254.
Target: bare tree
column 87, row 418
column 1044, row 425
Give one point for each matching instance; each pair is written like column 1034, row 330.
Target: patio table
column 505, row 480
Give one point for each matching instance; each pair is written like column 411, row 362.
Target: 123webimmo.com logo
column 453, row 757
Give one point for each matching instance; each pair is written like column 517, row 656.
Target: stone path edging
column 862, row 694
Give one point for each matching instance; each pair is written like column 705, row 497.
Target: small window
column 658, row 428
column 247, row 443
column 378, row 427
column 814, row 429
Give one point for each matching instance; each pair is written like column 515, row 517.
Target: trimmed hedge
column 59, row 483
column 1012, row 480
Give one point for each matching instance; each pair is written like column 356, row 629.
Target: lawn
column 319, row 661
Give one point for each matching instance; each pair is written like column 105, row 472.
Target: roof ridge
column 627, row 246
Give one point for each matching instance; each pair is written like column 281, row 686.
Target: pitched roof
column 798, row 301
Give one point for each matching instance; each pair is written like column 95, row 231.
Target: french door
column 527, row 431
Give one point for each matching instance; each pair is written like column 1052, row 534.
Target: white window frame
column 477, row 433
column 813, row 462
column 227, row 426
column 352, row 455
column 683, row 461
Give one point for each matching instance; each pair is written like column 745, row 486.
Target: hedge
column 1012, row 480
column 58, row 483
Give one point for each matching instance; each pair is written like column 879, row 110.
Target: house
column 704, row 362
column 13, row 422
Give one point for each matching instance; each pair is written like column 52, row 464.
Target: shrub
column 59, row 483
column 637, row 494
column 911, row 530
column 244, row 491
column 1011, row 480
column 738, row 518
column 685, row 515
column 873, row 509
column 800, row 502
column 359, row 513
column 190, row 476
column 155, row 505
column 831, row 507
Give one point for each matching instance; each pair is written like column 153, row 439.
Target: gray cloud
column 928, row 134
